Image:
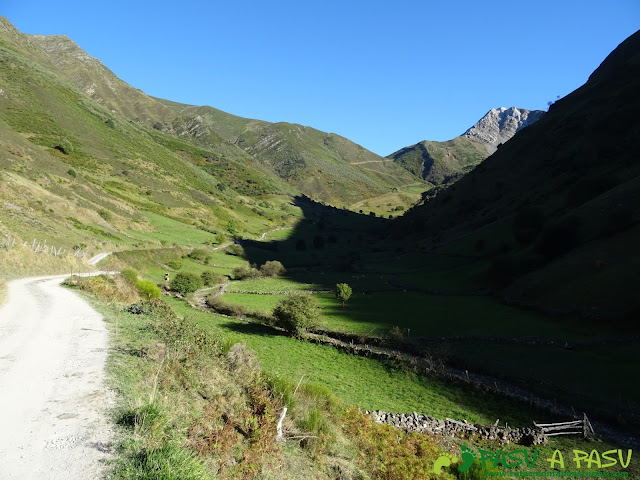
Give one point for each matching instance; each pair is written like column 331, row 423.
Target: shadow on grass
column 255, row 329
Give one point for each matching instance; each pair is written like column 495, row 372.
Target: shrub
column 185, row 283
column 396, row 335
column 235, row 250
column 130, row 275
column 210, row 278
column 72, row 173
column 245, row 271
column 231, row 309
column 105, row 215
column 296, row 313
column 272, row 268
column 148, row 289
column 174, row 265
column 199, row 255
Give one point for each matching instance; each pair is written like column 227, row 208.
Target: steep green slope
column 555, row 209
column 322, row 165
column 441, row 162
column 73, row 172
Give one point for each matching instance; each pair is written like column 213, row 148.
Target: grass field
column 424, row 315
column 360, row 381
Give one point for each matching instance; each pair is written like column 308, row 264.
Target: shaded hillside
column 445, row 162
column 555, row 208
column 322, row 165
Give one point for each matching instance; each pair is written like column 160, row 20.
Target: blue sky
column 384, row 74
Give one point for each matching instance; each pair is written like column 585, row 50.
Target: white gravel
column 53, row 398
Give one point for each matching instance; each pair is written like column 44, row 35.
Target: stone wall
column 413, row 422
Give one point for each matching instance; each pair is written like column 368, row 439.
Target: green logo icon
column 447, row 459
column 444, row 460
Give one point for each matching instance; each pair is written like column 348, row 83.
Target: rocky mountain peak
column 500, row 124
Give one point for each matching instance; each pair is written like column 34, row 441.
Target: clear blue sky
column 384, row 74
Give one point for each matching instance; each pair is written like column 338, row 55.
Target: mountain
column 86, row 158
column 75, row 169
column 500, row 125
column 322, row 165
column 553, row 213
column 444, row 162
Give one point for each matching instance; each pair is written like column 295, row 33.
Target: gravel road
column 53, row 398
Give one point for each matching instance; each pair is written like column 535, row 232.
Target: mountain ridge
column 445, row 162
column 321, row 165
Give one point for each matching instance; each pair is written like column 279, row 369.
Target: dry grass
column 20, row 261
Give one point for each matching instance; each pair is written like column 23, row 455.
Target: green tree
column 272, row 268
column 148, row 289
column 209, row 278
column 185, row 283
column 343, row 292
column 296, row 313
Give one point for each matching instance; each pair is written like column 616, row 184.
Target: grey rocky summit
column 499, row 125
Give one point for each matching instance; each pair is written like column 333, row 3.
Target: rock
column 499, row 125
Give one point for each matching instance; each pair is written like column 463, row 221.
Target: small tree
column 343, row 292
column 272, row 268
column 185, row 283
column 296, row 313
column 209, row 278
column 148, row 289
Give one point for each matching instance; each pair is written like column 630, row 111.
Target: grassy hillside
column 324, row 166
column 441, row 162
column 75, row 173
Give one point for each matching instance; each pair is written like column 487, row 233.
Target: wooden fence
column 577, row 427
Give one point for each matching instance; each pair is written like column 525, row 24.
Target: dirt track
column 53, row 399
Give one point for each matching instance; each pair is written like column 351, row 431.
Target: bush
column 245, row 271
column 72, row 173
column 105, row 215
column 130, row 276
column 185, row 283
column 272, row 268
column 148, row 289
column 296, row 313
column 199, row 255
column 224, row 308
column 235, row 250
column 174, row 265
column 210, row 278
